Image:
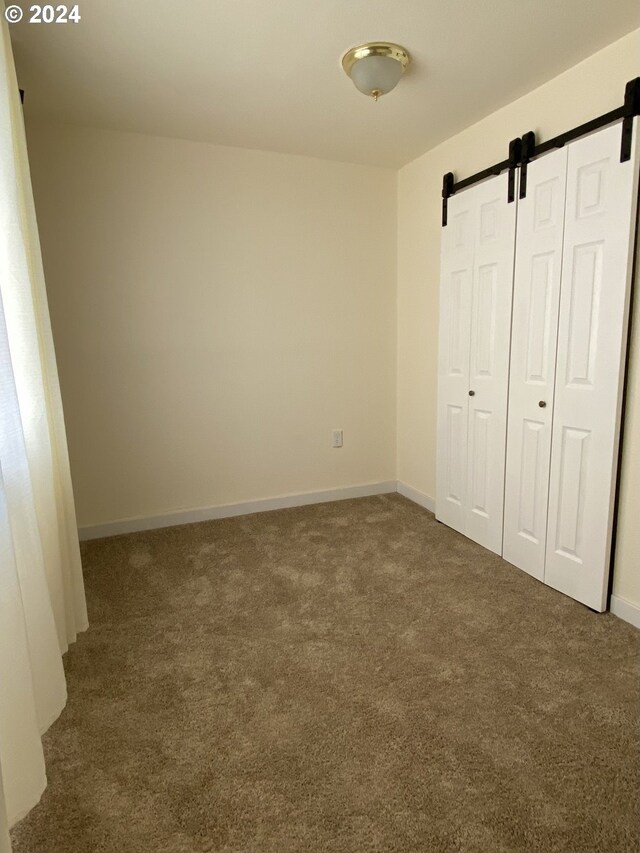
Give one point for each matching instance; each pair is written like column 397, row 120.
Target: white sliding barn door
column 475, row 319
column 489, row 362
column 594, row 302
column 456, row 275
column 536, row 298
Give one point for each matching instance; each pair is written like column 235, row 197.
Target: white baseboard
column 188, row 516
column 624, row 609
column 417, row 497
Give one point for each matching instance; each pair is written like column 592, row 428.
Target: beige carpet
column 346, row 677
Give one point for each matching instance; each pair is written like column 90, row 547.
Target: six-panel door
column 597, row 265
column 489, row 362
column 536, row 297
column 456, row 275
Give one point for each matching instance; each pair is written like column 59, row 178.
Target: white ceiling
column 266, row 73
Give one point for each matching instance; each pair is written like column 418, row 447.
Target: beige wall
column 216, row 313
column 588, row 89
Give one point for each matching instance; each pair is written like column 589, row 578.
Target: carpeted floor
column 345, row 677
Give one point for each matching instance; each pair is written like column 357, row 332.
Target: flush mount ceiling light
column 376, row 67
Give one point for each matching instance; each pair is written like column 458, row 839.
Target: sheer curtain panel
column 42, row 603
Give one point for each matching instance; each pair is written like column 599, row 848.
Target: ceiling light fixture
column 376, row 67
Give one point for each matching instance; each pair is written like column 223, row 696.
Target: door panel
column 584, row 313
column 483, row 336
column 569, row 533
column 592, row 331
column 479, row 447
column 543, row 312
column 458, row 323
column 536, row 299
column 534, row 469
column 455, row 475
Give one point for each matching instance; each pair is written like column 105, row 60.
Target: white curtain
column 42, row 603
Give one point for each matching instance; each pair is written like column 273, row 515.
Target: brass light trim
column 375, row 48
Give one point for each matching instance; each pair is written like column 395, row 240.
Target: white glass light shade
column 376, row 74
column 376, row 67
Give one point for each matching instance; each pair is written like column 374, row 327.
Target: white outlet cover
column 337, row 437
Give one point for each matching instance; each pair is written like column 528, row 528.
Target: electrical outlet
column 336, row 438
